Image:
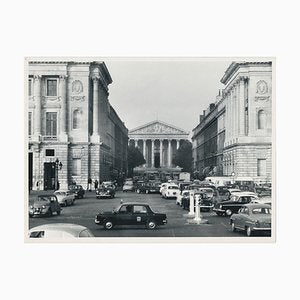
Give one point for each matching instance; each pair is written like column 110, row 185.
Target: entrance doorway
column 156, row 160
column 30, row 172
column 49, row 176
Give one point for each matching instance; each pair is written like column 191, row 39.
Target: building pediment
column 158, row 127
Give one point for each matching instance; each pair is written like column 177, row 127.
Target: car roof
column 67, row 227
column 134, row 203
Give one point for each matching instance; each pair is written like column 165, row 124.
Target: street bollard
column 197, row 215
column 192, row 204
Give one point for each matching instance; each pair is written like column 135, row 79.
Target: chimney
column 211, row 106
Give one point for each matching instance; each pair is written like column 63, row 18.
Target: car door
column 239, row 218
column 125, row 215
column 140, row 214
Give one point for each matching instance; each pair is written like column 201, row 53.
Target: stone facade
column 244, row 122
column 71, row 120
column 158, row 143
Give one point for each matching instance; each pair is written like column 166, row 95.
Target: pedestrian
column 96, row 184
column 90, row 184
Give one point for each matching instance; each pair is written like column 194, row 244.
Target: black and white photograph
column 160, row 148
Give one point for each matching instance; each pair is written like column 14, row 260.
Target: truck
column 185, row 176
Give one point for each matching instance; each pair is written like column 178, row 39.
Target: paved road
column 84, row 210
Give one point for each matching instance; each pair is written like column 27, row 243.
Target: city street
column 84, row 211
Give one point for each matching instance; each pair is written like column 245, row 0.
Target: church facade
column 158, row 142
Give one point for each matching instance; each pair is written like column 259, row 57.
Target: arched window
column 76, row 118
column 261, row 119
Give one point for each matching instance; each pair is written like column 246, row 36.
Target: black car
column 131, row 214
column 77, row 190
column 227, row 208
column 142, row 187
column 206, row 202
column 105, row 192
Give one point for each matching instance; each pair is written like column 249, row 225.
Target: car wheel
column 233, row 227
column 151, row 225
column 228, row 212
column 108, row 225
column 58, row 212
column 248, row 231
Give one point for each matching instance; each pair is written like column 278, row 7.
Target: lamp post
column 232, row 175
column 58, row 166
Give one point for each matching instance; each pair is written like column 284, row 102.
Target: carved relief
column 262, row 98
column 77, row 86
column 158, row 128
column 261, row 87
column 78, row 98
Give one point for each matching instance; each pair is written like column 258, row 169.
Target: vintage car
column 162, row 187
column 252, row 217
column 171, row 191
column 155, row 187
column 182, row 197
column 236, row 201
column 105, row 192
column 223, row 194
column 60, row 230
column 44, row 205
column 108, row 184
column 77, row 190
column 131, row 214
column 142, row 187
column 65, row 197
column 206, row 200
column 128, row 186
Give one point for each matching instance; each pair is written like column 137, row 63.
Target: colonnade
column 149, row 148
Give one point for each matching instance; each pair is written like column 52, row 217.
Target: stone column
column 160, row 153
column 152, row 154
column 38, row 107
column 242, row 107
column 144, row 151
column 63, row 111
column 177, row 144
column 95, row 136
column 136, row 143
column 169, row 153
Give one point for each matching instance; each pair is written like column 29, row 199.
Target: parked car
column 142, row 187
column 252, row 217
column 60, row 230
column 185, row 194
column 223, row 194
column 77, row 190
column 131, row 214
column 163, row 186
column 65, row 197
column 155, row 187
column 171, row 191
column 108, row 184
column 44, row 205
column 128, row 186
column 236, row 201
column 105, row 192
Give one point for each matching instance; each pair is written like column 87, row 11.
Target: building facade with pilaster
column 235, row 135
column 71, row 121
column 158, row 142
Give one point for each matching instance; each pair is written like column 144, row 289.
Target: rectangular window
column 76, row 167
column 50, row 152
column 261, row 167
column 30, row 123
column 51, row 87
column 29, row 87
column 51, row 124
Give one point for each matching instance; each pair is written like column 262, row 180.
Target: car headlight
column 43, row 207
column 220, row 206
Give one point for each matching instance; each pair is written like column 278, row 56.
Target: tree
column 184, row 157
column 135, row 158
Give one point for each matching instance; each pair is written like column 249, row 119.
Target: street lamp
column 58, row 166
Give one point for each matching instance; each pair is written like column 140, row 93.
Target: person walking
column 90, row 184
column 96, row 184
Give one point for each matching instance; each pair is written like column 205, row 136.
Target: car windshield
column 262, row 210
column 44, row 199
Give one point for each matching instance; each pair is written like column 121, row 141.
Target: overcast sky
column 174, row 91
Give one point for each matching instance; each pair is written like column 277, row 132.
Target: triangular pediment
column 157, row 127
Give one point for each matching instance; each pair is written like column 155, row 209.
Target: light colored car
column 183, row 194
column 65, row 197
column 128, row 186
column 162, row 187
column 171, row 191
column 252, row 217
column 60, row 230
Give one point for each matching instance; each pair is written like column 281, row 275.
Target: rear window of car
column 262, row 211
column 37, row 234
column 173, row 187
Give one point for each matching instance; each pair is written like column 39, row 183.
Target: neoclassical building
column 158, row 143
column 73, row 131
column 234, row 135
